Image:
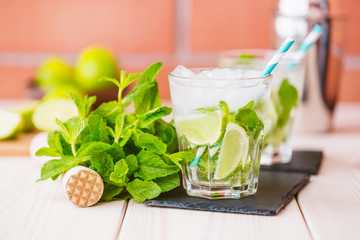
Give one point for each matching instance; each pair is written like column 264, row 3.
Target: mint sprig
column 136, row 154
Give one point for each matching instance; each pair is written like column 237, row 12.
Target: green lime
column 10, row 123
column 272, row 118
column 52, row 72
column 62, row 91
column 202, row 128
column 93, row 64
column 234, row 150
column 58, row 108
column 26, row 111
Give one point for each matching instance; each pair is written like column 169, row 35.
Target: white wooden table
column 327, row 208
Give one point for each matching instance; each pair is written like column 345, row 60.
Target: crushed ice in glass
column 216, row 73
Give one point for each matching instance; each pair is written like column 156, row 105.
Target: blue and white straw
column 309, row 40
column 200, row 152
column 277, row 57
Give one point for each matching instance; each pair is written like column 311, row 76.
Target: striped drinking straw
column 277, row 57
column 268, row 69
column 309, row 40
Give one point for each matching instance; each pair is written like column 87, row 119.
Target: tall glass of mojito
column 220, row 114
column 286, row 92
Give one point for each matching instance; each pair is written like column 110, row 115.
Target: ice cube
column 182, row 71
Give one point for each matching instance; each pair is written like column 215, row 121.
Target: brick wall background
column 141, row 32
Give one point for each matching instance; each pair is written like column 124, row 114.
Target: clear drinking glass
column 286, row 90
column 221, row 119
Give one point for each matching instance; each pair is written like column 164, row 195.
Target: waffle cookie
column 83, row 186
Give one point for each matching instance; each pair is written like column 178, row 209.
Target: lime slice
column 272, row 118
column 10, row 123
column 234, row 150
column 26, row 111
column 58, row 108
column 202, row 128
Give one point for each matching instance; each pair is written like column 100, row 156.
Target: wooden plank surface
column 331, row 202
column 18, row 146
column 144, row 222
column 30, row 210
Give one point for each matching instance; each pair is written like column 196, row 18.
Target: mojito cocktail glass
column 220, row 114
column 286, row 92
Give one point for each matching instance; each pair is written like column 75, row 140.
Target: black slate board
column 301, row 162
column 276, row 189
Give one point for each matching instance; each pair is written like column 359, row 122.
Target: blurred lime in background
column 94, row 63
column 54, row 79
column 26, row 111
column 10, row 123
column 52, row 72
column 61, row 91
column 46, row 113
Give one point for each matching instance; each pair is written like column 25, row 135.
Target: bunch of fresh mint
column 136, row 154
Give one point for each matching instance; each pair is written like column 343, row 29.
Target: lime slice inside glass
column 10, row 123
column 234, row 150
column 46, row 112
column 202, row 128
column 272, row 117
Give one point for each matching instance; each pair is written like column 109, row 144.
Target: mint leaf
column 55, row 167
column 83, row 105
column 97, row 129
column 150, row 98
column 136, row 92
column 88, row 148
column 150, row 73
column 168, row 183
column 116, row 152
column 167, row 133
column 126, row 134
column 132, row 163
column 151, row 143
column 110, row 191
column 153, row 115
column 142, row 190
column 119, row 125
column 103, row 164
column 249, row 105
column 180, row 158
column 151, row 166
column 112, row 80
column 71, row 129
column 109, row 111
column 57, row 143
column 129, row 79
column 50, row 152
column 288, row 97
column 118, row 176
column 248, row 119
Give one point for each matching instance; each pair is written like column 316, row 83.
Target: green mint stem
column 73, row 148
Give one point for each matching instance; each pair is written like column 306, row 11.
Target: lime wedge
column 234, row 150
column 26, row 111
column 58, row 108
column 202, row 128
column 10, row 123
column 272, row 118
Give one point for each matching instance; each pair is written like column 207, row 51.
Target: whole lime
column 62, row 91
column 94, row 63
column 52, row 72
